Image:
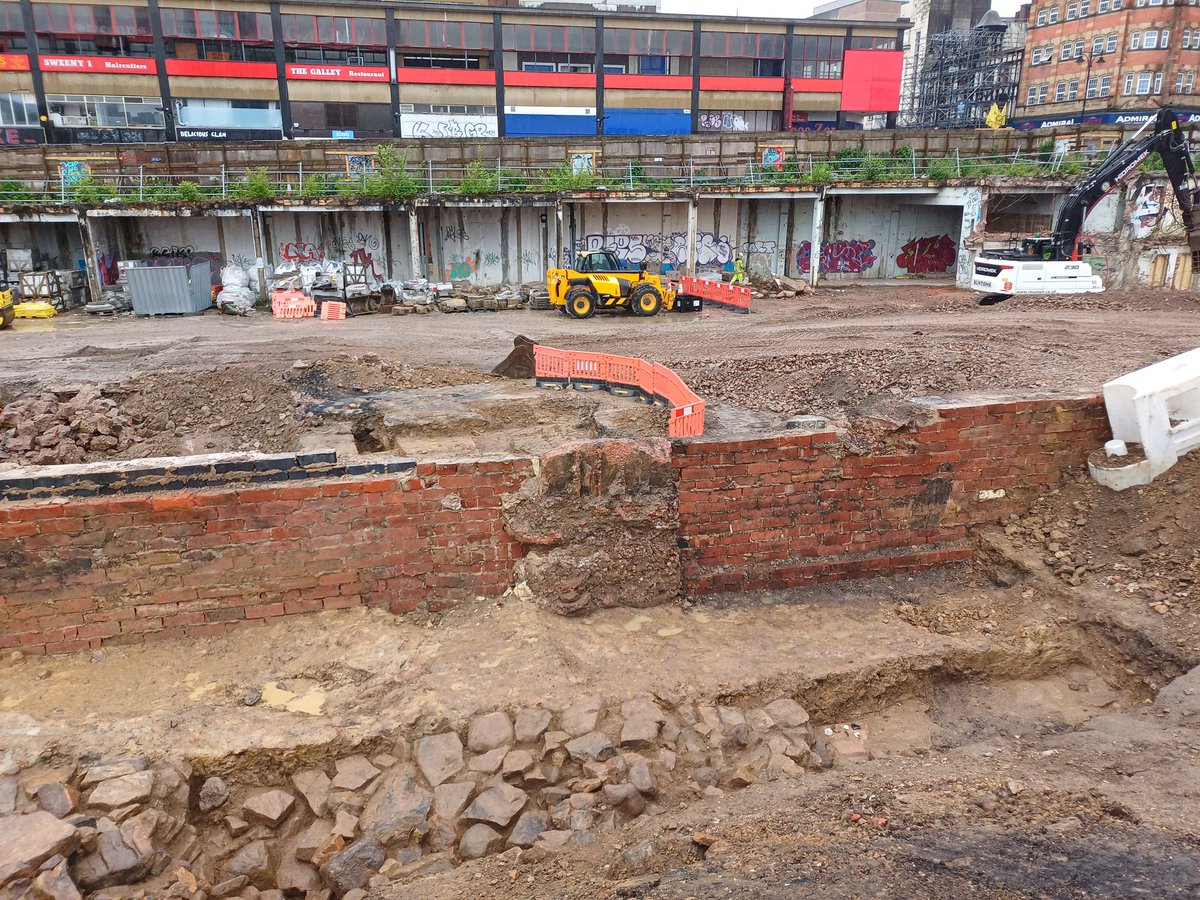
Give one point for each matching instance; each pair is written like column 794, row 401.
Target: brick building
column 1109, row 61
column 141, row 71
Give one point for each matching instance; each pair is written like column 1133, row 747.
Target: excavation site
column 847, row 594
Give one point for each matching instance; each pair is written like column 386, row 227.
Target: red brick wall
column 769, row 513
column 74, row 573
column 787, row 510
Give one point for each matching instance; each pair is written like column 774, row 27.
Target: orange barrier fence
column 333, row 311
column 624, row 376
column 292, row 305
column 717, row 293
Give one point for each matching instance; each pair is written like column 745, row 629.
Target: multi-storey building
column 161, row 70
column 1114, row 61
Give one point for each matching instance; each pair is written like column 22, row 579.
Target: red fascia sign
column 104, row 64
column 14, row 62
column 220, row 68
column 337, row 73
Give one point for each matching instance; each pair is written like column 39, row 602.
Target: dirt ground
column 1033, row 715
column 1029, row 737
column 214, row 383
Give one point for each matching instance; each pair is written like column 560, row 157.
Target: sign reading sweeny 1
column 115, row 66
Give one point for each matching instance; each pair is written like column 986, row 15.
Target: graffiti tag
column 928, row 254
column 455, row 233
column 723, row 121
column 459, row 268
column 839, row 257
column 301, row 252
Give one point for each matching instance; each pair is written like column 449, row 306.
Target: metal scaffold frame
column 960, row 76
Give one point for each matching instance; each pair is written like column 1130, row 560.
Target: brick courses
column 80, row 571
column 784, row 511
column 775, row 512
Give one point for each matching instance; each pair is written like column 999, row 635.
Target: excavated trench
column 399, row 803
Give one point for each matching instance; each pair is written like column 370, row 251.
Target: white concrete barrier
column 1158, row 408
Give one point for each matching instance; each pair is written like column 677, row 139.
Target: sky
column 777, row 8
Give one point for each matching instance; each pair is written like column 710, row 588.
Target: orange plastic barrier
column 728, row 296
column 622, row 375
column 292, row 305
column 333, row 311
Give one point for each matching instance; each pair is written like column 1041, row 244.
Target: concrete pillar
column 693, row 234
column 972, row 224
column 256, row 230
column 89, row 255
column 562, row 260
column 818, row 230
column 414, row 242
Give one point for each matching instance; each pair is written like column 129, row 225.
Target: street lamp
column 1090, row 58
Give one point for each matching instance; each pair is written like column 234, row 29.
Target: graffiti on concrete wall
column 671, row 250
column 301, row 252
column 723, row 121
column 924, row 255
column 418, row 125
column 630, row 249
column 460, row 268
column 455, row 233
column 761, row 257
column 1146, row 210
column 839, row 257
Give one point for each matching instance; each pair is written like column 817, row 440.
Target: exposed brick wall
column 76, row 572
column 93, row 556
column 787, row 510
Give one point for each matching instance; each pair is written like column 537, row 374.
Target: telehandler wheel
column 6, row 317
column 580, row 303
column 646, row 300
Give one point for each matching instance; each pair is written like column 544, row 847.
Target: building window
column 1116, row 5
column 1111, row 45
column 1041, row 17
column 195, row 112
column 1144, row 80
column 1060, row 92
column 1164, row 38
column 1072, row 11
column 740, row 54
column 1105, row 85
column 1135, row 41
column 1053, row 14
column 1031, row 96
column 1102, row 8
column 649, row 51
column 872, row 43
column 1128, row 84
column 1043, row 93
column 816, row 56
column 1157, row 89
column 1073, row 90
column 1183, row 82
column 1085, row 8
column 81, row 111
column 443, row 45
column 1185, row 42
column 1150, row 40
column 1097, row 45
column 19, row 108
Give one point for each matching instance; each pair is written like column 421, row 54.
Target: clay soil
column 1033, row 732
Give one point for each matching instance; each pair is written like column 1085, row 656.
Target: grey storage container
column 170, row 290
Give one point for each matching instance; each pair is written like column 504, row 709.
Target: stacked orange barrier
column 292, row 305
column 333, row 311
column 735, row 297
column 624, row 376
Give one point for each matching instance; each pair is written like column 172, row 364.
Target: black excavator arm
column 1170, row 142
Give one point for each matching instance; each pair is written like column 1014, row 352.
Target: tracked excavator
column 1053, row 264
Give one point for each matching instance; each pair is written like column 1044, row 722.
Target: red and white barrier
column 735, row 297
column 622, row 375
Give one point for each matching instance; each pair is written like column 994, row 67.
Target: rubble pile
column 54, row 429
column 528, row 783
column 1140, row 542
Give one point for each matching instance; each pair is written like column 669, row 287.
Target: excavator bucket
column 519, row 363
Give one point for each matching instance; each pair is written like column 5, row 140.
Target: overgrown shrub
column 89, row 190
column 254, row 185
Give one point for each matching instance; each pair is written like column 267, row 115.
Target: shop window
column 20, row 109
column 83, row 111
